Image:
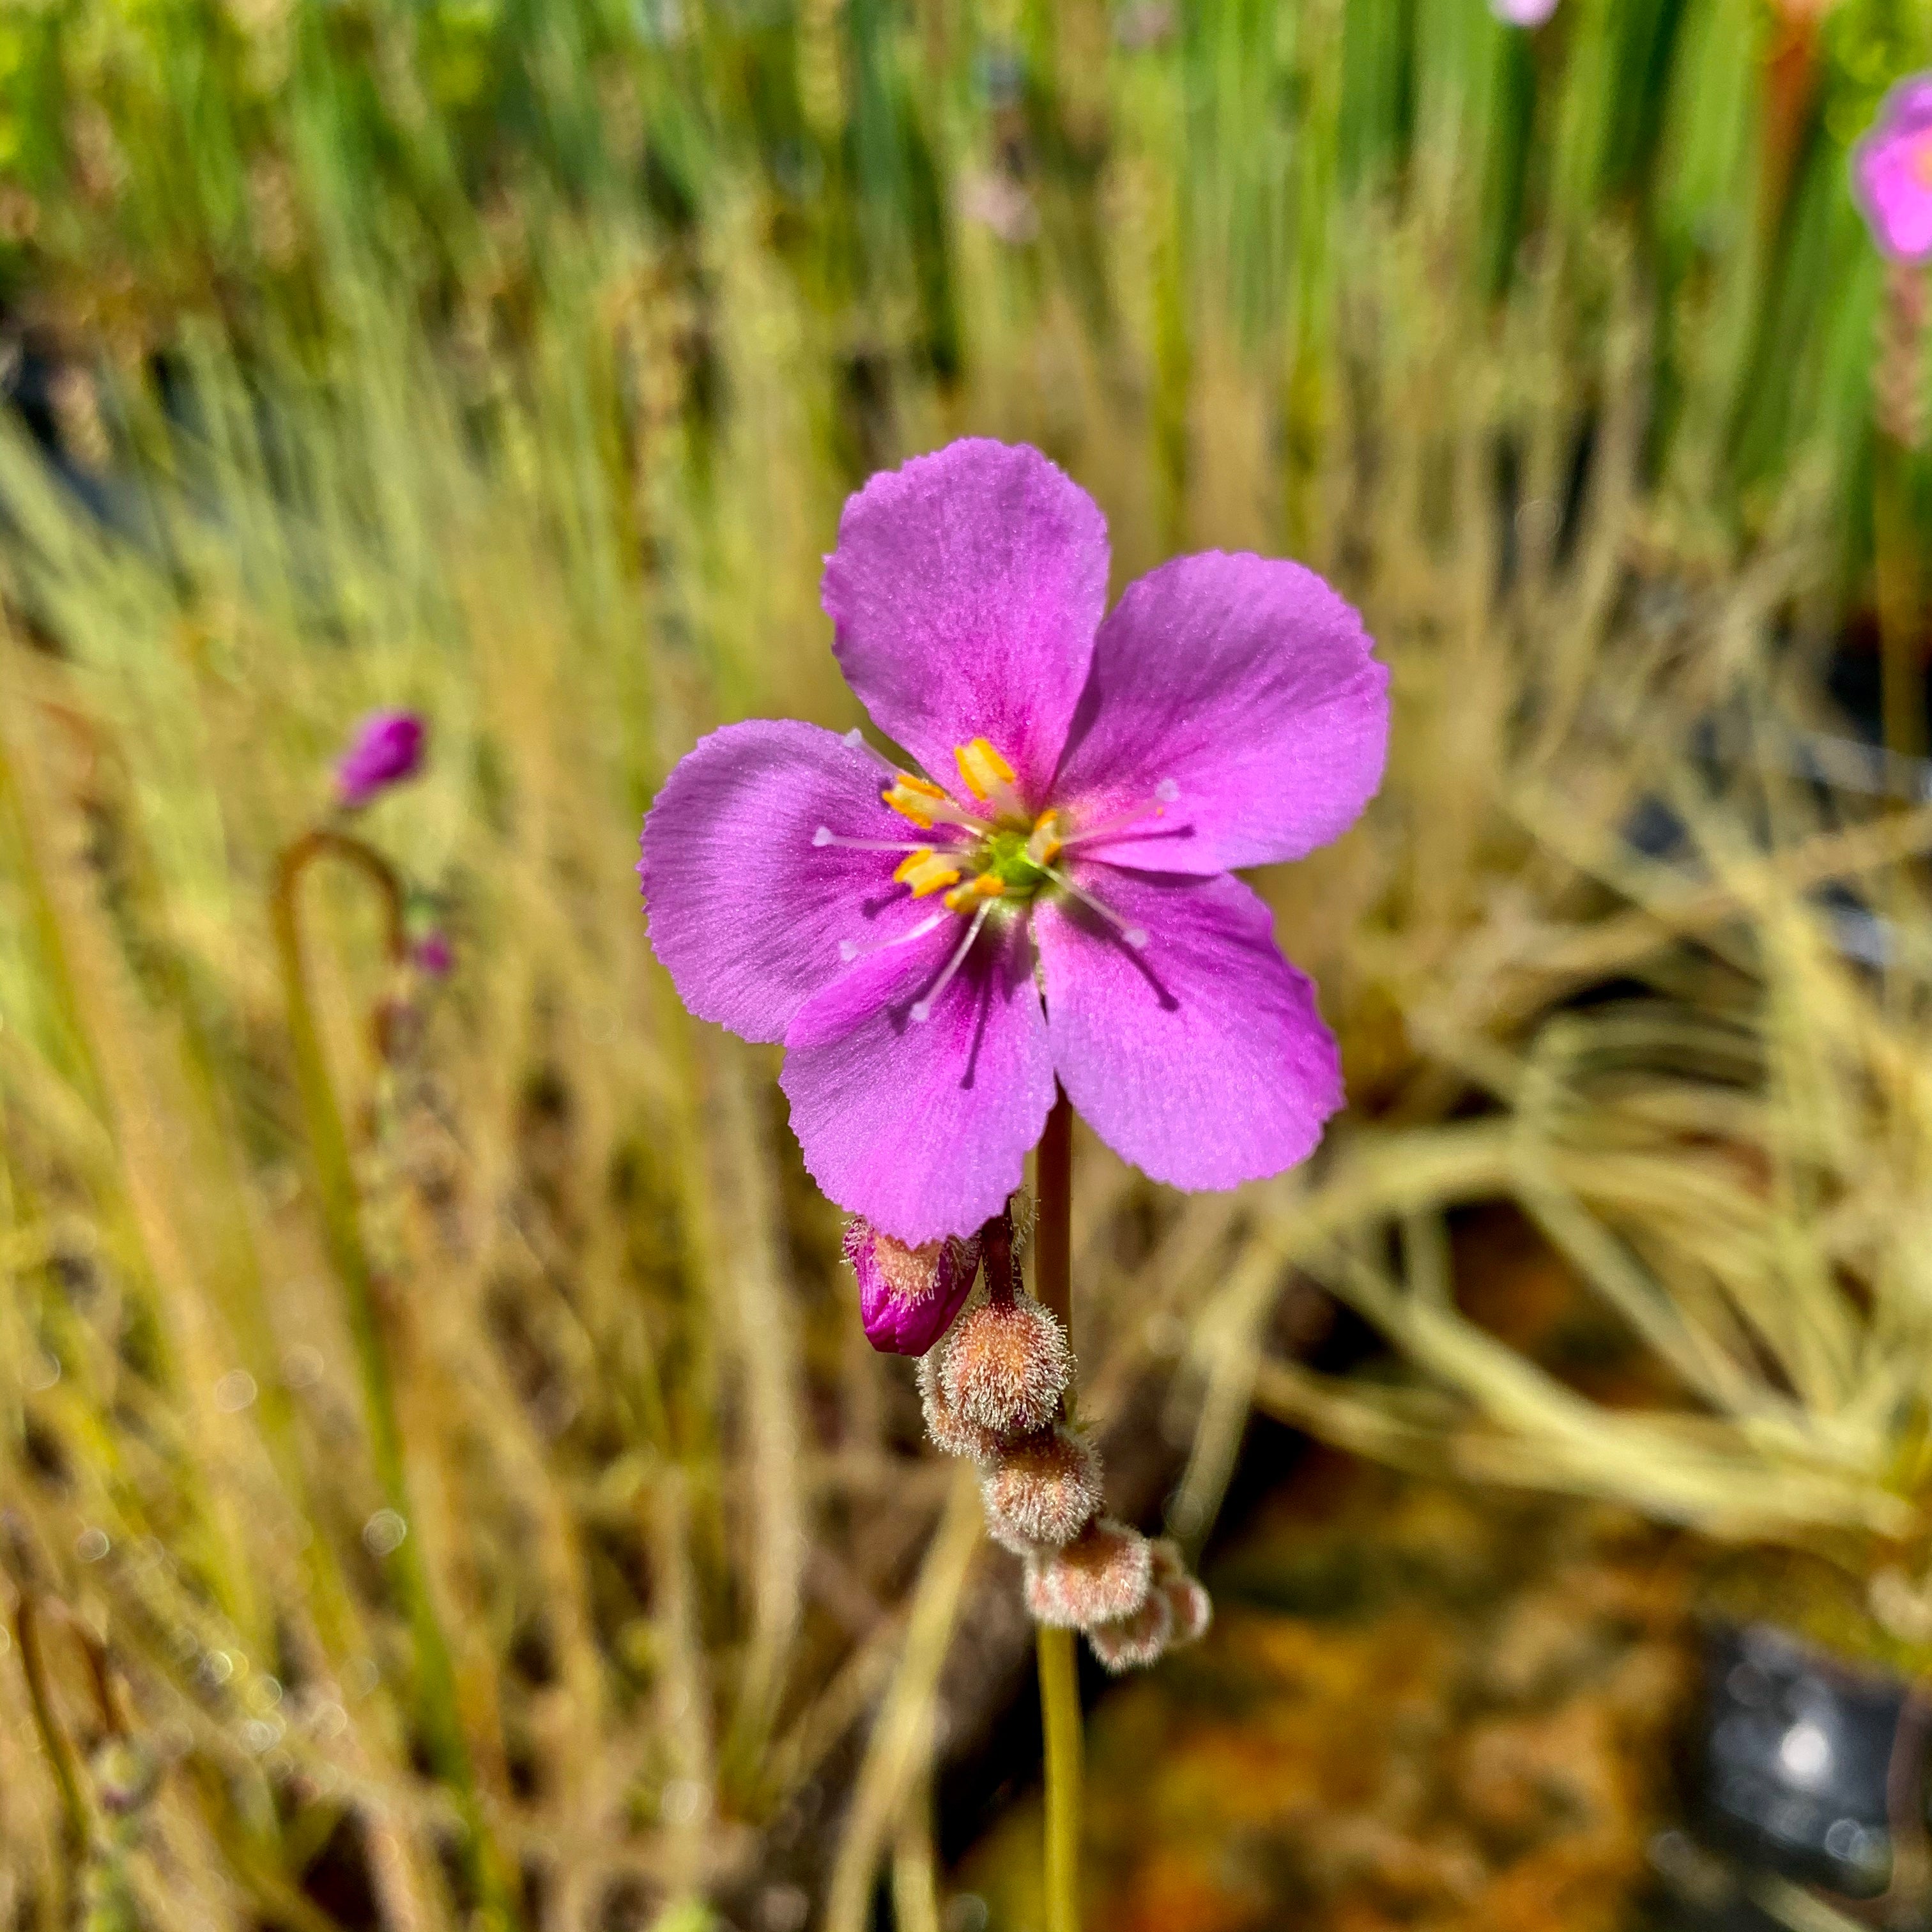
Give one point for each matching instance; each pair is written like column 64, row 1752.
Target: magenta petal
column 747, row 915
column 965, row 591
column 1244, row 683
column 923, row 1126
column 1199, row 1056
column 907, row 1297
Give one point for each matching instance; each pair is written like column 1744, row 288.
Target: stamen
column 962, row 898
column 1044, row 841
column 849, row 949
column 856, row 739
column 922, row 1007
column 923, row 802
column 1134, row 935
column 982, row 768
column 825, row 835
column 1165, row 794
column 925, row 872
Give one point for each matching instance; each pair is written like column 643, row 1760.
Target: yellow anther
column 982, row 768
column 974, row 893
column 925, row 872
column 913, row 798
column 1044, row 841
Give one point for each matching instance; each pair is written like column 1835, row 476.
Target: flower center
column 997, row 852
column 1009, row 854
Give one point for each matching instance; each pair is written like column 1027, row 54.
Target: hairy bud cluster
column 994, row 1390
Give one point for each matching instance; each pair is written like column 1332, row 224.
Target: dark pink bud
column 387, row 748
column 433, row 955
column 907, row 1297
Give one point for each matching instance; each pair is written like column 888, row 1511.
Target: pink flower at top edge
column 1523, row 13
column 388, row 748
column 1050, row 894
column 1891, row 172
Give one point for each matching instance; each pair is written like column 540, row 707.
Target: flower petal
column 1199, row 1056
column 965, row 591
column 747, row 914
column 923, row 1126
column 1245, row 683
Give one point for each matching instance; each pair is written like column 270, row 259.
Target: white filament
column 922, row 1008
column 1165, row 794
column 1134, row 936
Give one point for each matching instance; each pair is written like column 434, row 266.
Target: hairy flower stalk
column 1037, row 912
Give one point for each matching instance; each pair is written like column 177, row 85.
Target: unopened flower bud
column 951, row 1432
column 388, row 748
column 1101, row 1577
column 1042, row 1490
column 433, row 955
column 1005, row 1366
column 907, row 1297
column 1132, row 1643
column 1192, row 1609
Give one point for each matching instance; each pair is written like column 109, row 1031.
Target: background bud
column 1043, row 1489
column 387, row 748
column 1101, row 1577
column 1005, row 1366
column 907, row 1297
column 1132, row 1643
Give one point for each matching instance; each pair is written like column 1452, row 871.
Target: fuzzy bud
column 1042, row 1490
column 388, row 748
column 907, row 1297
column 1193, row 1609
column 1101, row 1577
column 1132, row 1643
column 1005, row 1366
column 951, row 1434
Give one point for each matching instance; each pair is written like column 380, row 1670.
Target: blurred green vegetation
column 236, row 164
column 513, row 363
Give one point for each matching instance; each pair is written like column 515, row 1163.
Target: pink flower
column 1523, row 13
column 908, row 1296
column 388, row 748
column 1891, row 172
column 1050, row 896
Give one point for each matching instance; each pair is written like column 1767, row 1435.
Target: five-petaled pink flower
column 1891, row 172
column 1050, row 894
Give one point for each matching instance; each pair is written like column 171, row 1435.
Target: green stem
column 1059, row 1709
column 436, row 1712
column 1059, row 1664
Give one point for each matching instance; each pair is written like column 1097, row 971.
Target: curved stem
column 1059, row 1662
column 437, row 1710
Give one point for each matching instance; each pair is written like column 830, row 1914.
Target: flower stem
column 1059, row 1664
column 437, row 1715
column 1059, row 1710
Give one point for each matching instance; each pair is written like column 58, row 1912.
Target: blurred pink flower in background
column 1523, row 13
column 1891, row 172
column 388, row 748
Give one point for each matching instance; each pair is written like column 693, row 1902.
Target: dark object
column 1798, row 1760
